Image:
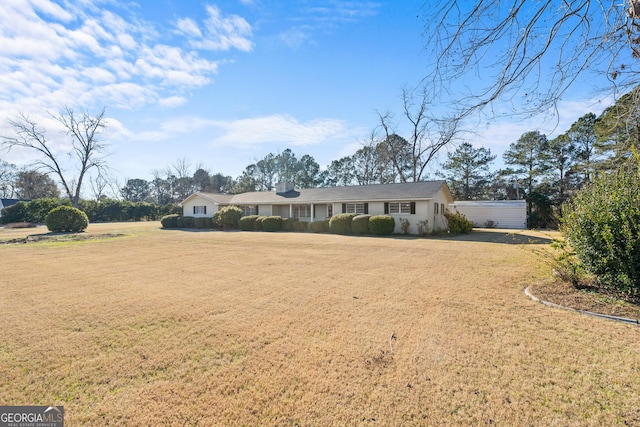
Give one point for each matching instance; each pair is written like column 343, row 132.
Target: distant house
column 5, row 203
column 494, row 213
column 414, row 201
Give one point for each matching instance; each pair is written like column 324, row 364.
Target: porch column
column 312, row 218
column 290, row 211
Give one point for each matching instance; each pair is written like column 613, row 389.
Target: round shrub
column 66, row 219
column 458, row 223
column 602, row 225
column 320, row 226
column 301, row 226
column 382, row 225
column 228, row 217
column 360, row 224
column 272, row 223
column 341, row 223
column 257, row 225
column 185, row 221
column 169, row 221
column 248, row 223
column 287, row 224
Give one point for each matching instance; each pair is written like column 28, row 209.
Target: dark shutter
column 257, row 210
column 386, row 208
column 194, row 210
column 413, row 208
column 366, row 208
column 314, row 211
column 205, row 209
column 344, row 208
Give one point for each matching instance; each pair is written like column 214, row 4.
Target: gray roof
column 423, row 190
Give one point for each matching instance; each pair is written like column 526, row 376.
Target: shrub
column 458, row 222
column 21, row 225
column 405, row 225
column 228, row 217
column 319, row 226
column 201, row 222
column 360, row 224
column 341, row 223
column 286, row 224
column 66, row 219
column 185, row 221
column 248, row 223
column 423, row 227
column 300, row 226
column 272, row 223
column 257, row 225
column 169, row 221
column 382, row 225
column 602, row 225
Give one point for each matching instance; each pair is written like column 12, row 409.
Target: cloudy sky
column 223, row 83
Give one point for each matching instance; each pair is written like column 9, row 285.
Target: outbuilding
column 493, row 213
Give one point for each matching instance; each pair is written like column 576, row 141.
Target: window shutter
column 205, row 209
column 194, row 210
column 366, row 208
column 344, row 208
column 257, row 210
column 413, row 208
column 386, row 208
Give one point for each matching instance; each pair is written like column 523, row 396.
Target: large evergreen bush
column 382, row 225
column 602, row 225
column 228, row 217
column 169, row 221
column 65, row 219
column 360, row 224
column 458, row 222
column 341, row 223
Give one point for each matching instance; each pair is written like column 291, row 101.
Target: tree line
column 544, row 172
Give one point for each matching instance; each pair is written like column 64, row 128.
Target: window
column 329, row 211
column 400, row 208
column 356, row 208
column 199, row 210
column 249, row 210
column 442, row 208
column 301, row 211
column 435, row 208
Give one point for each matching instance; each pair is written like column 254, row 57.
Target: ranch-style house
column 414, row 201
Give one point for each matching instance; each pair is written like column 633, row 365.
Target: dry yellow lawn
column 181, row 328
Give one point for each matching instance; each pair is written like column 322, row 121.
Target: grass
column 213, row 328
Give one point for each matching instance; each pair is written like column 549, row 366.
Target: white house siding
column 187, row 207
column 504, row 213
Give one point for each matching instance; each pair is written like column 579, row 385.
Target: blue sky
column 224, row 83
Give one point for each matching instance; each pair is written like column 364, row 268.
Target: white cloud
column 172, row 101
column 188, row 26
column 224, row 32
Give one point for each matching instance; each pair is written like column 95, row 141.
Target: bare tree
column 7, row 179
column 87, row 151
column 535, row 50
column 427, row 136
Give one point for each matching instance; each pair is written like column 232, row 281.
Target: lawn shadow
column 505, row 236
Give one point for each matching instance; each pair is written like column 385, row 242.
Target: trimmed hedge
column 248, row 223
column 301, row 226
column 382, row 225
column 272, row 223
column 360, row 224
column 169, row 221
column 202, row 222
column 341, row 223
column 185, row 221
column 287, row 224
column 65, row 219
column 257, row 225
column 320, row 226
column 228, row 217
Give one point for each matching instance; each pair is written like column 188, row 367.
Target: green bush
column 300, row 226
column 66, row 219
column 360, row 224
column 602, row 225
column 228, row 217
column 169, row 221
column 287, row 224
column 202, row 222
column 248, row 223
column 341, row 223
column 257, row 225
column 382, row 225
column 320, row 226
column 272, row 223
column 458, row 223
column 185, row 222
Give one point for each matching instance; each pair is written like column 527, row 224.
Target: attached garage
column 497, row 213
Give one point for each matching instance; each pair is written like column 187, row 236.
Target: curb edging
column 528, row 293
